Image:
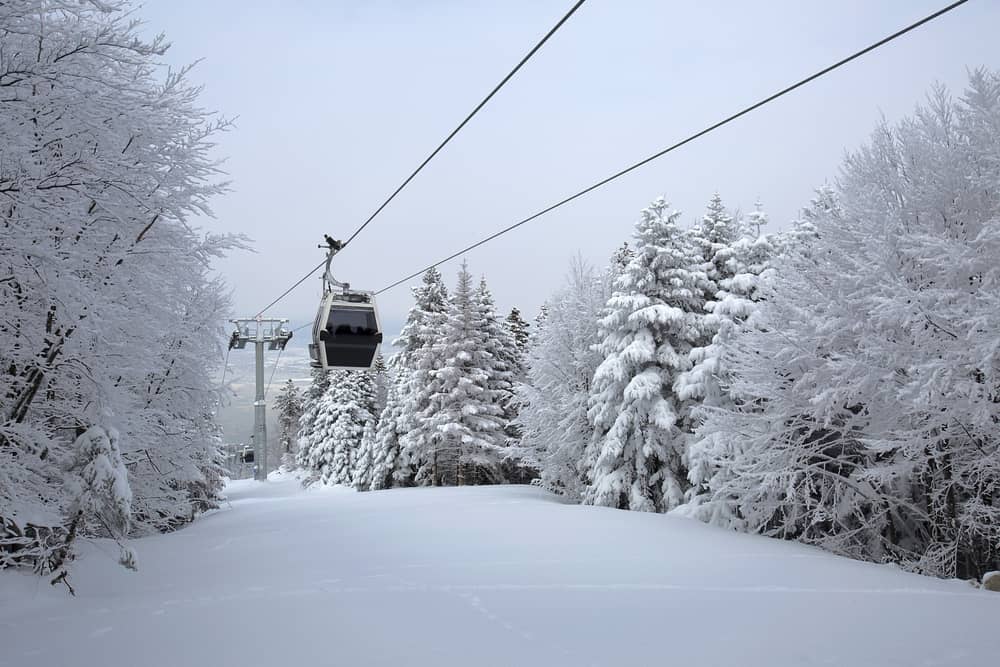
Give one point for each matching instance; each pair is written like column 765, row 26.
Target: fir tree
column 518, row 331
column 364, row 464
column 385, row 447
column 289, row 407
column 652, row 323
column 345, row 409
column 413, row 366
column 459, row 436
column 310, row 411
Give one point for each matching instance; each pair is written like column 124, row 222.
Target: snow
column 499, row 575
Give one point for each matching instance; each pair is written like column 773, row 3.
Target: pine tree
column 621, row 259
column 289, row 407
column 386, row 447
column 344, row 411
column 518, row 331
column 460, row 431
column 364, row 465
column 310, row 411
column 411, row 366
column 637, row 461
column 380, row 374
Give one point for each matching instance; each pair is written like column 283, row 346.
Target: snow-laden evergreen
column 110, row 307
column 520, row 335
column 637, row 460
column 561, row 362
column 459, row 433
column 411, row 368
column 289, row 406
column 385, row 446
column 364, row 464
column 344, row 411
column 869, row 396
column 740, row 257
column 310, row 411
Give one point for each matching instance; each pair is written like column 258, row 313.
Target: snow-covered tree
column 459, row 431
column 561, row 363
column 408, row 372
column 310, row 411
column 654, row 317
column 380, row 375
column 518, row 330
column 344, row 411
column 109, row 302
column 502, row 348
column 364, row 463
column 869, row 396
column 289, row 407
column 740, row 257
column 385, row 447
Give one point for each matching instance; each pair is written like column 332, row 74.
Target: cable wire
column 437, row 150
column 710, row 128
column 479, row 106
column 289, row 290
column 273, row 369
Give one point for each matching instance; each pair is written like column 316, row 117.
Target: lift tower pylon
column 260, row 331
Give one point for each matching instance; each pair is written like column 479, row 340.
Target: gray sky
column 338, row 101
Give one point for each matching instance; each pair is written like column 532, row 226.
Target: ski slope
column 481, row 576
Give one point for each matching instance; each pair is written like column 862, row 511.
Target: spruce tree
column 652, row 323
column 344, row 410
column 289, row 407
column 459, row 436
column 518, row 331
column 310, row 410
column 412, row 366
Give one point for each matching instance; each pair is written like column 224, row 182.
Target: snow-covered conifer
column 518, row 330
column 364, row 464
column 459, row 432
column 289, row 407
column 653, row 321
column 310, row 411
column 412, row 366
column 344, row 410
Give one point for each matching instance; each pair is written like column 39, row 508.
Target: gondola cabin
column 347, row 332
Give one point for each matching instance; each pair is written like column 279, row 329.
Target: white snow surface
column 501, row 575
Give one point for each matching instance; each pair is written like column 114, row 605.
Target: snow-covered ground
column 481, row 576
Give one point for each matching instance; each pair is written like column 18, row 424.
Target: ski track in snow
column 486, row 575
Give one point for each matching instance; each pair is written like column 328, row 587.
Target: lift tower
column 260, row 331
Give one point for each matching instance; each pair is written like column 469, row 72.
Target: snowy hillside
column 481, row 576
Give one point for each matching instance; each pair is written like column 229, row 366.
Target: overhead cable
column 437, row 150
column 710, row 128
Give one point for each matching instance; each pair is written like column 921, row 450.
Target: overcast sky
column 338, row 101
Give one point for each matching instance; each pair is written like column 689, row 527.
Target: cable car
column 347, row 332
